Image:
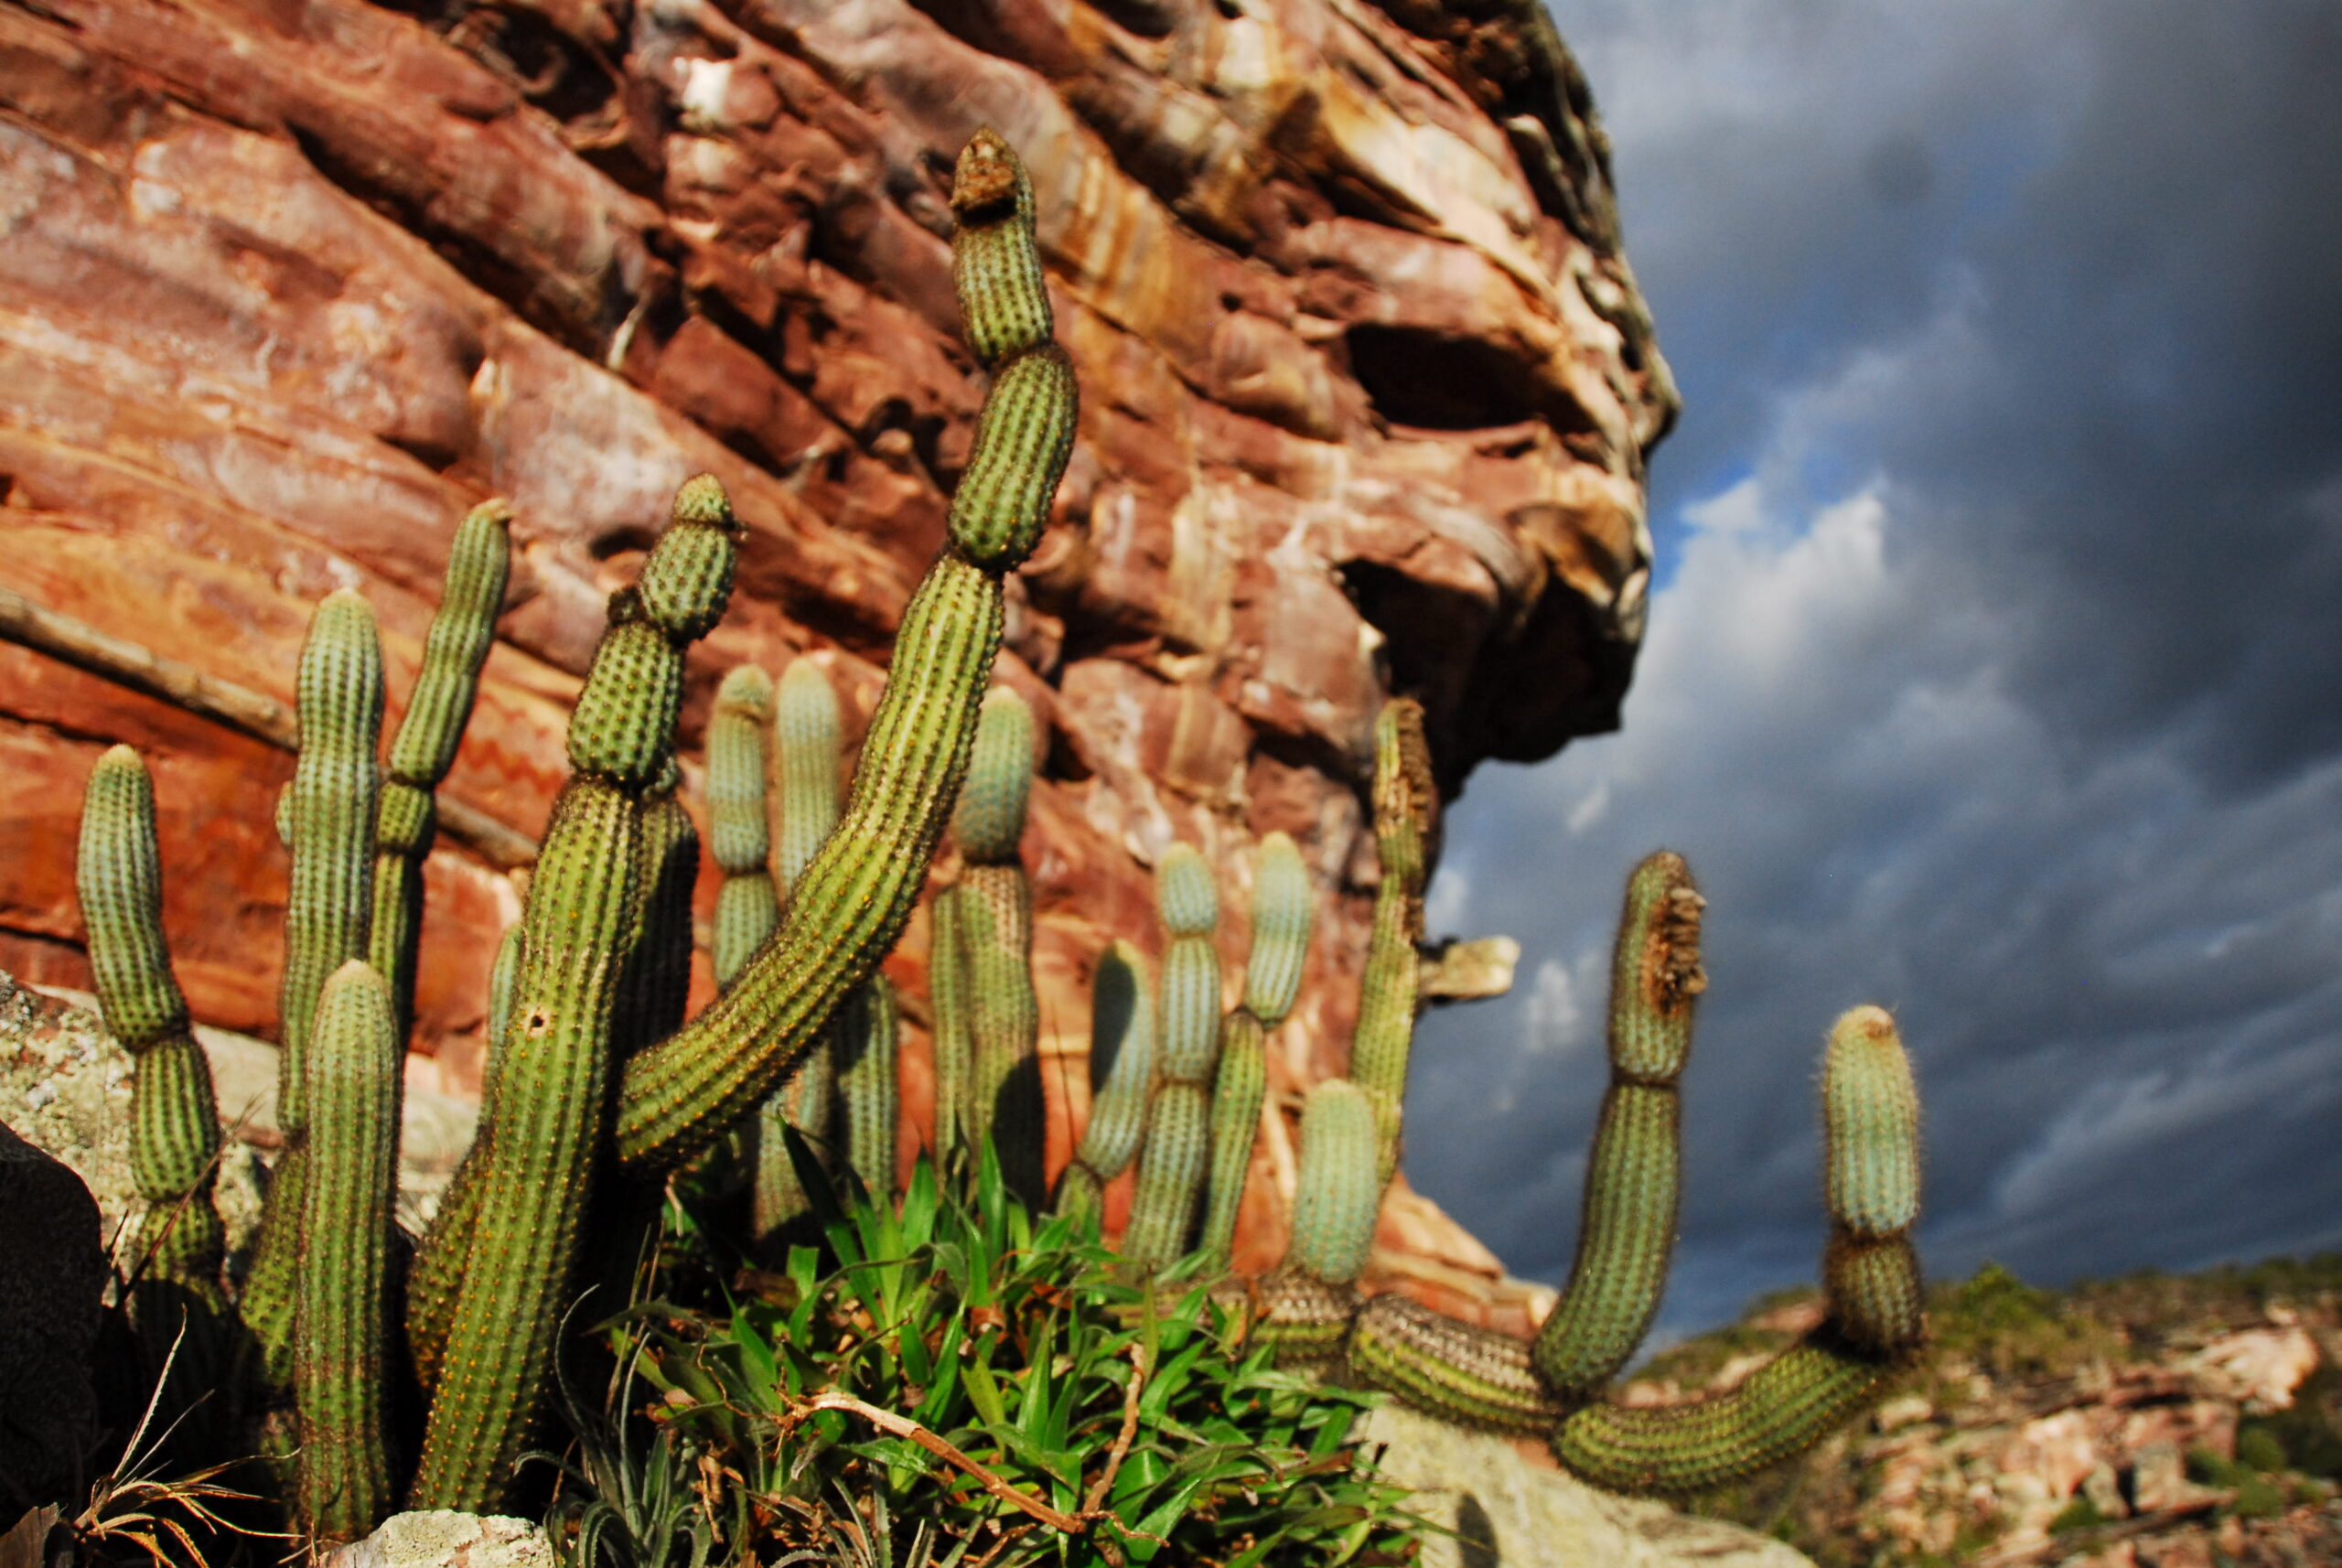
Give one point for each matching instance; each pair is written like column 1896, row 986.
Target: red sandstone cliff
column 286, row 285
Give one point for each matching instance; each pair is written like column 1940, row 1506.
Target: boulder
column 52, row 1275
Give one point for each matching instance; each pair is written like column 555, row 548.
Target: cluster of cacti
column 592, row 1089
column 597, row 1088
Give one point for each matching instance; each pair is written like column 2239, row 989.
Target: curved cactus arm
column 850, row 905
column 341, row 1384
column 1304, row 1321
column 1470, row 1375
column 1626, row 1228
column 1241, row 1085
column 330, row 809
column 1406, row 822
column 1875, row 1322
column 586, row 907
column 174, row 1120
column 462, row 632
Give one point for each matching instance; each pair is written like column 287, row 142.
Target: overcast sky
column 1995, row 668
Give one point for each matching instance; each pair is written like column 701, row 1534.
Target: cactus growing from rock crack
column 343, row 1327
column 462, row 632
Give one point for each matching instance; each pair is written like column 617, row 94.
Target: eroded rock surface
column 1367, row 391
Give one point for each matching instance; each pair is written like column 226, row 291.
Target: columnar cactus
column 174, row 1128
column 1406, row 807
column 1122, row 1038
column 995, row 934
column 1282, row 916
column 556, row 1059
column 739, row 830
column 344, row 1325
column 462, row 632
column 1171, row 1165
column 330, row 813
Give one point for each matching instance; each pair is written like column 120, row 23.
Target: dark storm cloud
column 1993, row 674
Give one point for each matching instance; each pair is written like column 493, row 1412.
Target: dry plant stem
column 240, row 708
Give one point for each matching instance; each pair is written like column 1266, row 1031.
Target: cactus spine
column 174, row 1125
column 1171, row 1165
column 1626, row 1230
column 556, row 1059
column 855, row 896
column 344, row 1323
column 462, row 632
column 331, row 808
column 996, row 935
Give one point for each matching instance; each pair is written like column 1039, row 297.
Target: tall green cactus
column 556, row 1059
column 852, row 902
column 462, row 632
column 949, row 984
column 344, row 1325
column 174, row 1125
column 331, row 810
column 868, row 1091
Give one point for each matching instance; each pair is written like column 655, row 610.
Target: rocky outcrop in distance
column 1369, row 391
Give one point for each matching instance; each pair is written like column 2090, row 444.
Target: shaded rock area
column 2150, row 1421
column 1369, row 391
column 52, row 1275
column 1508, row 1506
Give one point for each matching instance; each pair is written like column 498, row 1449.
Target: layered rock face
column 284, row 287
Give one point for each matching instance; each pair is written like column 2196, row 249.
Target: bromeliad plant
column 956, row 1369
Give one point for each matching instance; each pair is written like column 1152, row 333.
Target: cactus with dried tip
column 1171, row 1165
column 330, row 811
column 342, row 1330
column 1627, row 1232
column 852, row 903
column 996, row 931
column 1406, row 819
column 1121, row 1038
column 462, row 632
column 175, row 1122
column 557, row 1057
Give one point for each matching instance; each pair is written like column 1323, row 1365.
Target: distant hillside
column 2148, row 1422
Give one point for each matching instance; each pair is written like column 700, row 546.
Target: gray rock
column 52, row 1276
column 1509, row 1511
column 440, row 1539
